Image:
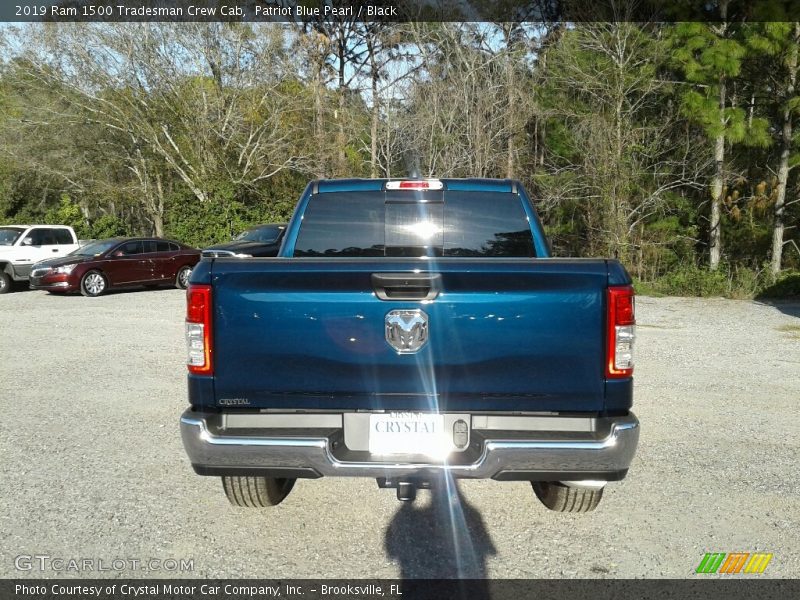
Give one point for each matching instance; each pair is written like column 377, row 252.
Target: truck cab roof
column 465, row 184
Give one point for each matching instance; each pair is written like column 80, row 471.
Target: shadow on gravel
column 787, row 307
column 133, row 290
column 784, row 295
column 19, row 286
column 445, row 539
column 112, row 292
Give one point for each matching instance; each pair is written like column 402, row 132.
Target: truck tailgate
column 504, row 335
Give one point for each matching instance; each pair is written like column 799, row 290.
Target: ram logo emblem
column 406, row 330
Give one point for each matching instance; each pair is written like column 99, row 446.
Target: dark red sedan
column 116, row 263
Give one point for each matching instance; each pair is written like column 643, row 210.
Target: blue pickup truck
column 409, row 330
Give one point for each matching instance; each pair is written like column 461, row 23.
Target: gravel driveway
column 93, row 466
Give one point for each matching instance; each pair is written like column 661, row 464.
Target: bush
column 786, row 286
column 646, row 288
column 729, row 282
column 107, row 226
column 68, row 213
column 201, row 224
column 692, row 281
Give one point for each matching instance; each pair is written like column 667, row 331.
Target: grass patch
column 738, row 282
column 792, row 330
column 646, row 288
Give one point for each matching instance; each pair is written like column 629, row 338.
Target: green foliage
column 703, row 54
column 25, row 215
column 67, row 212
column 201, row 224
column 710, row 59
column 786, row 286
column 728, row 282
column 613, row 129
column 107, row 226
column 645, row 288
column 692, row 281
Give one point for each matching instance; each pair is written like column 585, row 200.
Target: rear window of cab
column 415, row 223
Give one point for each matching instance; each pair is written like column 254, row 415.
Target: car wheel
column 561, row 498
column 182, row 278
column 256, row 492
column 5, row 283
column 93, row 284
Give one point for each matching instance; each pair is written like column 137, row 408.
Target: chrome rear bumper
column 602, row 450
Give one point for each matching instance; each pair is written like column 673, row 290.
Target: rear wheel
column 5, row 282
column 561, row 498
column 93, row 283
column 257, row 492
column 182, row 278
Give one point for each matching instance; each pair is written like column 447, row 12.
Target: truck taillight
column 198, row 329
column 621, row 319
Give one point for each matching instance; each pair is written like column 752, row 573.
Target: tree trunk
column 780, row 200
column 641, row 250
column 341, row 139
column 619, row 190
column 158, row 213
column 511, row 116
column 715, row 235
column 319, row 132
column 783, row 166
column 373, row 150
column 373, row 167
column 511, row 149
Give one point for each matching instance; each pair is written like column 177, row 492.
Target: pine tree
column 711, row 56
column 780, row 41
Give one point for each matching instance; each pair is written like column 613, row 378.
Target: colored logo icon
column 733, row 562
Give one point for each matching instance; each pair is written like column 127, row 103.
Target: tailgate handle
column 406, row 286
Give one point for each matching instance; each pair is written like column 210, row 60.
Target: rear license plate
column 408, row 433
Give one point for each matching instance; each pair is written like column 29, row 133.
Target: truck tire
column 256, row 492
column 561, row 498
column 5, row 283
column 93, row 283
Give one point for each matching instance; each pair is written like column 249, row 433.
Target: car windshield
column 95, row 248
column 260, row 234
column 9, row 235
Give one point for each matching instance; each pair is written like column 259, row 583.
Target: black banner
column 715, row 588
column 255, row 11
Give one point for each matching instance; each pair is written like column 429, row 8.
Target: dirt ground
column 93, row 466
